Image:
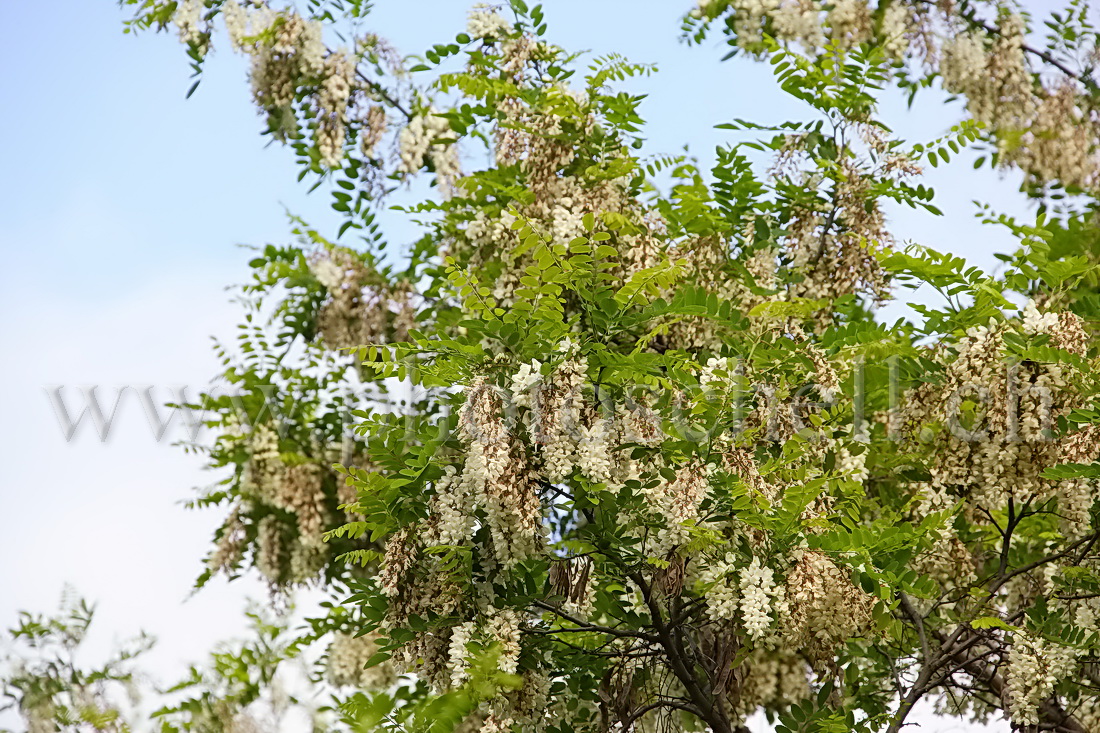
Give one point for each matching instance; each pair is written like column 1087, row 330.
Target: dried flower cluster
column 993, row 418
column 297, row 81
column 497, row 477
column 363, row 307
column 824, row 608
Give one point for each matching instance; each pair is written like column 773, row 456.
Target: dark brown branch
column 1052, row 715
column 585, row 626
column 918, row 622
column 624, row 654
column 681, row 663
column 675, row 704
column 385, row 95
column 1088, row 541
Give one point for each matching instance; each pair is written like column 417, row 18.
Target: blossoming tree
column 631, row 450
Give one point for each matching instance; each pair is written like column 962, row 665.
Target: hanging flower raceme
column 424, row 139
column 497, row 475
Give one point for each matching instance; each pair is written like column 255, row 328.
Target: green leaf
column 1067, row 471
column 992, row 622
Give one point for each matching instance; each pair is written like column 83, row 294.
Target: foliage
column 631, row 448
column 43, row 679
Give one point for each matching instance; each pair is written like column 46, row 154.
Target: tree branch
column 585, row 626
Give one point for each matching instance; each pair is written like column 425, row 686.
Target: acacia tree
column 631, row 449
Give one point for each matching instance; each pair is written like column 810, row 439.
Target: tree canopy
column 622, row 443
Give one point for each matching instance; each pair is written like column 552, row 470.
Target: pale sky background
column 122, row 203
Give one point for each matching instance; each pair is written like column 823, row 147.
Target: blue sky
column 123, row 203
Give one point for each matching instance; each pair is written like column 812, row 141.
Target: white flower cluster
column 301, row 492
column 271, row 553
column 1047, row 133
column 485, row 23
column 847, row 261
column 312, row 51
column 461, row 636
column 948, row 560
column 1035, row 322
column 749, row 16
column 236, row 23
column 372, row 130
column 328, row 272
column 307, row 559
column 291, row 64
column 566, row 220
column 531, row 703
column 850, row 23
column 798, row 21
column 1086, row 614
column 852, row 466
column 1058, row 143
column 1087, row 711
column 490, row 231
column 715, row 376
column 558, row 407
column 1003, row 449
column 283, row 559
column 962, row 63
column 188, row 20
column 774, row 679
column 525, row 378
column 229, row 549
column 750, row 594
column 450, row 510
column 570, row 434
column 1006, row 98
column 1035, row 666
column 757, row 588
column 504, row 629
column 265, row 470
column 332, row 102
column 895, row 29
column 593, row 452
column 364, row 307
column 763, row 265
column 417, row 142
column 722, row 595
column 535, row 145
column 288, row 56
column 1076, row 497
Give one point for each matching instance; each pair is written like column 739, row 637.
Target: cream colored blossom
column 1035, row 666
column 486, row 23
